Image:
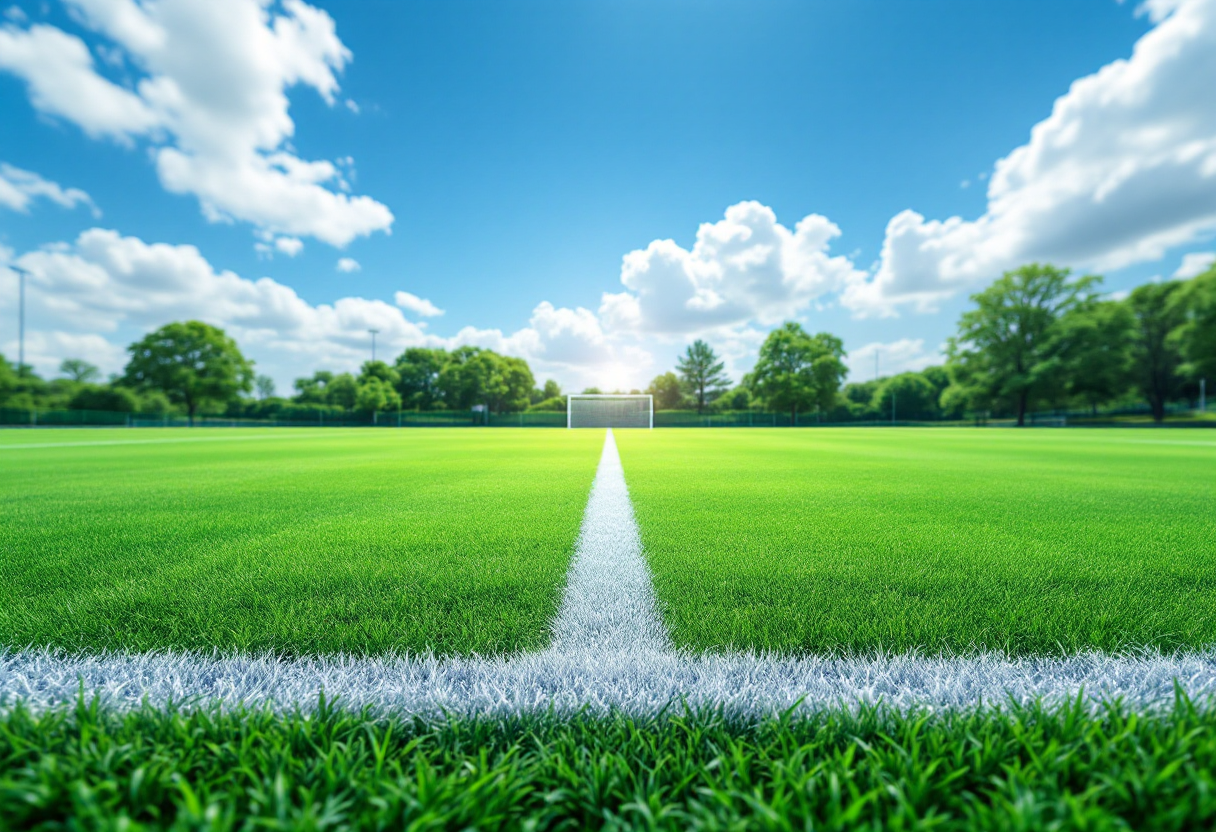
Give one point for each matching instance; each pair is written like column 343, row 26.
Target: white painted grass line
column 609, row 652
column 608, row 605
column 744, row 685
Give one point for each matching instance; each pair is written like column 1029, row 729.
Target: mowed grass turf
column 945, row 540
column 297, row 541
column 1060, row 767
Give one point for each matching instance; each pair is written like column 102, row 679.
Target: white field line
column 609, row 651
column 609, row 605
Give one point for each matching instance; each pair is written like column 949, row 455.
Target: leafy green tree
column 380, row 370
column 1196, row 337
column 8, row 380
column 106, row 397
column 342, row 390
column 858, row 397
column 1094, row 338
column 154, row 402
column 939, row 378
column 702, row 373
column 79, row 370
column 667, row 391
column 468, row 378
column 796, row 371
column 418, row 369
column 476, row 376
column 313, row 390
column 1158, row 316
column 906, row 397
column 1007, row 350
column 376, row 395
column 557, row 403
column 551, row 390
column 265, row 386
column 517, row 384
column 737, row 398
column 192, row 363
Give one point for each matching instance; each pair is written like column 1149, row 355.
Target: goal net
column 609, row 411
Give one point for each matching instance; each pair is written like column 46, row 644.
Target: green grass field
column 937, row 539
column 458, row 541
column 1025, row 769
column 364, row 541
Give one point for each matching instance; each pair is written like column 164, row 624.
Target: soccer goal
column 606, row 410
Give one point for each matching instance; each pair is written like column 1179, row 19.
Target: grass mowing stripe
column 179, row 435
column 609, row 601
column 365, row 542
column 943, row 540
column 1033, row 767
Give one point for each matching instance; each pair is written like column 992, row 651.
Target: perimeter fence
column 1179, row 416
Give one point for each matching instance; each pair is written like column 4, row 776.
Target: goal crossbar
column 610, row 410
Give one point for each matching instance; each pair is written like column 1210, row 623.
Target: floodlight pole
column 373, row 332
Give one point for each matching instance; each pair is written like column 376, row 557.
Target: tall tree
column 667, row 392
column 1094, row 347
column 1007, row 347
column 379, row 370
column 193, row 363
column 8, row 380
column 376, row 395
column 517, row 384
column 1197, row 336
column 313, row 390
column 702, row 373
column 79, row 370
column 418, row 369
column 265, row 386
column 474, row 376
column 907, row 396
column 1158, row 315
column 796, row 371
column 342, row 390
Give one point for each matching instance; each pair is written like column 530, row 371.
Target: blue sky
column 498, row 161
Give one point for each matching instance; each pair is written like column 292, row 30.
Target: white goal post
column 609, row 410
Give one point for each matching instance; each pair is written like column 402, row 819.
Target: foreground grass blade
column 1066, row 767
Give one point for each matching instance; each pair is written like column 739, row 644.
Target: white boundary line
column 609, row 604
column 609, row 651
column 641, row 684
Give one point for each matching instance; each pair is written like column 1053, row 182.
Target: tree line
column 192, row 368
column 1036, row 338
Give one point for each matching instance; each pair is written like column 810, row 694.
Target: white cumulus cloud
column 419, row 306
column 902, row 356
column 1122, row 170
column 1195, row 263
column 745, row 267
column 18, row 188
column 211, row 97
column 347, row 265
column 91, row 297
